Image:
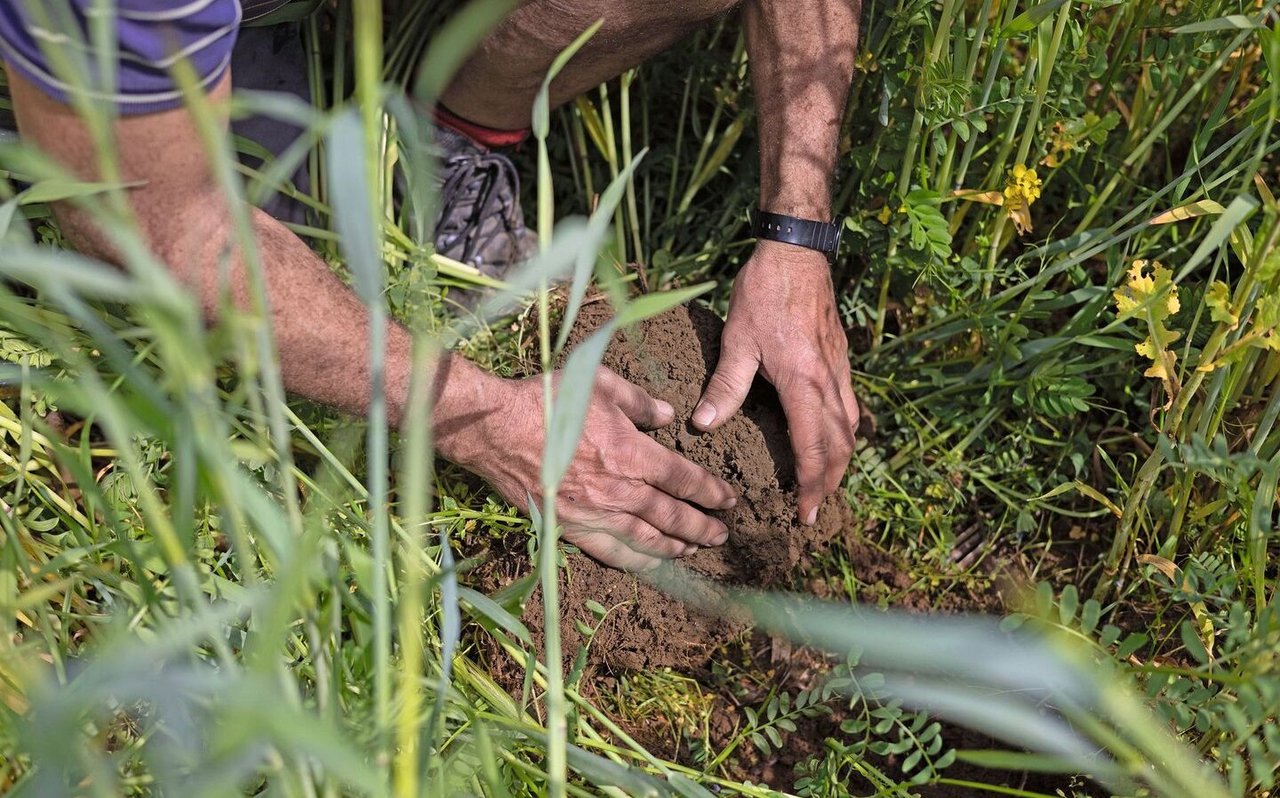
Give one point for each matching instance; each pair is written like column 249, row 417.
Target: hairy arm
column 321, row 328
column 782, row 317
column 802, row 54
column 630, row 502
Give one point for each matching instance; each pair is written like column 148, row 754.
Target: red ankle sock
column 489, row 137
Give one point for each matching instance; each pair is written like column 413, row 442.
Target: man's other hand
column 626, row 500
column 783, row 323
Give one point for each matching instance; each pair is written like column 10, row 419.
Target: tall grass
column 209, row 590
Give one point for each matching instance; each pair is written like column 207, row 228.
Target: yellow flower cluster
column 1022, row 188
column 1141, row 287
column 1154, row 297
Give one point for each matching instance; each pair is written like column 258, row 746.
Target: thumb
column 636, row 403
column 728, row 385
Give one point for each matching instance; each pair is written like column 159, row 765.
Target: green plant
column 877, row 725
column 208, row 590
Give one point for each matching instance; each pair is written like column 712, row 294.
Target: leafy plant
column 208, row 590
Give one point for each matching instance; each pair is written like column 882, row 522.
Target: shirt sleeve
column 44, row 40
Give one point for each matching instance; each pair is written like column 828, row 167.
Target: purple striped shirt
column 49, row 43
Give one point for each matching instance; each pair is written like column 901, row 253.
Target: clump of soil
column 672, row 356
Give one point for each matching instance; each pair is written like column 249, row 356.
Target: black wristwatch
column 822, row 236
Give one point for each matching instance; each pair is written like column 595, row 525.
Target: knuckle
column 648, row 539
column 606, row 380
column 811, row 463
column 701, row 484
column 833, row 480
column 814, row 452
column 627, row 495
column 671, row 466
column 666, row 517
column 624, row 456
column 644, row 536
column 722, row 383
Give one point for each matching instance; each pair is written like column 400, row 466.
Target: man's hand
column 783, row 323
column 626, row 500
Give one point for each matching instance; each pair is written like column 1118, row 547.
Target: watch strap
column 822, row 236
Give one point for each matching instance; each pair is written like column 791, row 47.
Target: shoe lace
column 472, row 194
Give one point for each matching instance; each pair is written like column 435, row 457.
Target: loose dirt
column 645, row 630
column 672, row 356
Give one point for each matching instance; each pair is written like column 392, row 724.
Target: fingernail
column 720, row 541
column 812, row 517
column 730, row 504
column 704, row 415
column 665, row 410
column 690, row 549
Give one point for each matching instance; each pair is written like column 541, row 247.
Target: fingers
column 629, row 532
column 627, row 525
column 853, row 411
column 643, row 410
column 821, row 438
column 613, row 552
column 847, row 430
column 674, row 475
column 729, row 384
column 677, row 519
column 646, row 538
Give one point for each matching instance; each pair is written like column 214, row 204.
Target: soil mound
column 672, row 356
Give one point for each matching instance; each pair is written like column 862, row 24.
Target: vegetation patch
column 1060, row 285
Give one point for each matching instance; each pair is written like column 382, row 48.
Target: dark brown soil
column 672, row 356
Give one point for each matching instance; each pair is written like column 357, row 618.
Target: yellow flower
column 1150, row 291
column 1141, row 286
column 1125, row 302
column 1029, row 181
column 1022, row 189
column 886, row 213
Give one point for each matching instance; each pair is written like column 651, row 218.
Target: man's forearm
column 801, row 54
column 783, row 321
column 321, row 328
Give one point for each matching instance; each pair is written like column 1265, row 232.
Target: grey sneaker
column 479, row 222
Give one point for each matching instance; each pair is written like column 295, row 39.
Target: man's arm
column 321, row 328
column 782, row 316
column 801, row 55
column 631, row 500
